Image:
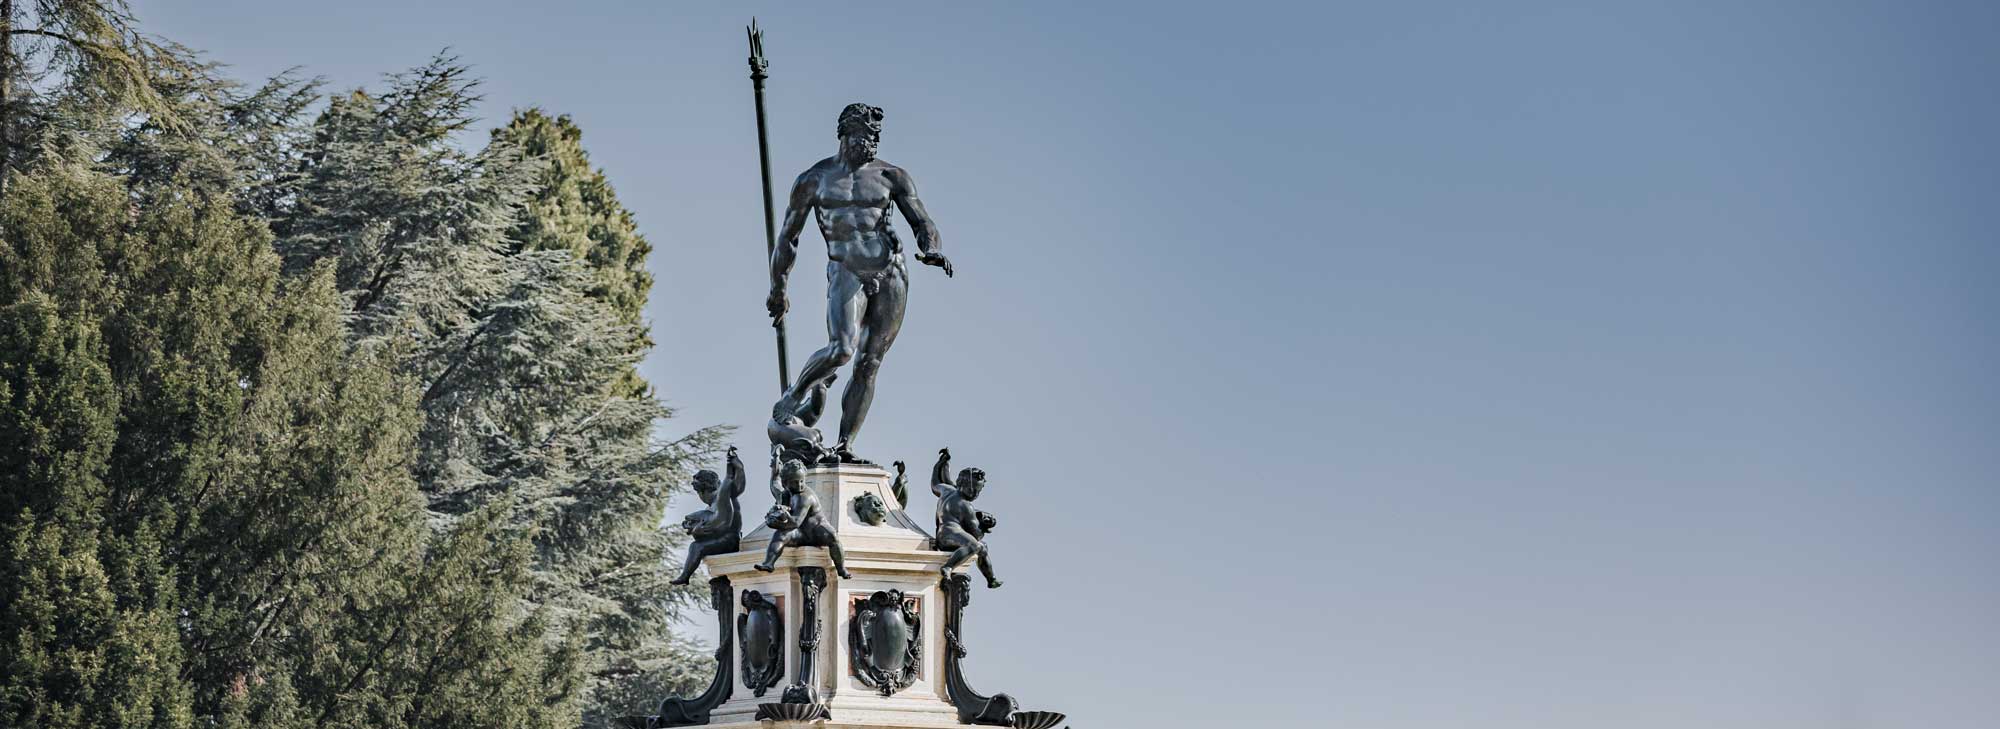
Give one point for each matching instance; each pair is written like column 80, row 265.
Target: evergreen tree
column 319, row 422
column 525, row 365
column 307, row 555
column 266, row 459
column 573, row 208
column 86, row 617
column 95, row 51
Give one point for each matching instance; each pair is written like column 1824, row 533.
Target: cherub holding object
column 717, row 530
column 961, row 529
column 797, row 520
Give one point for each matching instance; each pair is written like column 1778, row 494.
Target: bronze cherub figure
column 797, row 520
column 716, row 530
column 961, row 529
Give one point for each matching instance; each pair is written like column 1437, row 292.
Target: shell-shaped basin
column 1037, row 719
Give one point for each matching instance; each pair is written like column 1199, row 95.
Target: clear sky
column 1416, row 365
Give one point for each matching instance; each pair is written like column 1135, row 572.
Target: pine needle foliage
column 313, row 416
column 573, row 208
column 525, row 361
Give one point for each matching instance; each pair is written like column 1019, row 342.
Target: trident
column 757, row 65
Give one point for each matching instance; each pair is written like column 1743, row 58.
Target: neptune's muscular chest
column 864, row 188
column 853, row 210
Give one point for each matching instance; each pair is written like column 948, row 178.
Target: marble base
column 894, row 555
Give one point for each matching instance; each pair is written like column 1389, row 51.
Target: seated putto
column 961, row 529
column 715, row 530
column 797, row 520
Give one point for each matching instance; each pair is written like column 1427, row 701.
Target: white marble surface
column 837, row 487
column 894, row 555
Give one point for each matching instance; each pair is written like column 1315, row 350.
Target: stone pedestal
column 875, row 650
column 894, row 555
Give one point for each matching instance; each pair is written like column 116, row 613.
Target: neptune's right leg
column 845, row 304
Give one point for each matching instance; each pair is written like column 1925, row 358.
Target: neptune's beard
column 857, row 151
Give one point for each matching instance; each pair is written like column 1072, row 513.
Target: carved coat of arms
column 885, row 641
column 762, row 627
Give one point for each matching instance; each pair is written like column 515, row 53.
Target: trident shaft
column 757, row 65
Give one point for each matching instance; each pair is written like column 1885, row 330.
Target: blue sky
column 1395, row 366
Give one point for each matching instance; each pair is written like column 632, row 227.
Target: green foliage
column 58, row 416
column 77, row 658
column 55, row 224
column 524, row 360
column 574, row 209
column 96, row 48
column 320, row 420
column 87, row 621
